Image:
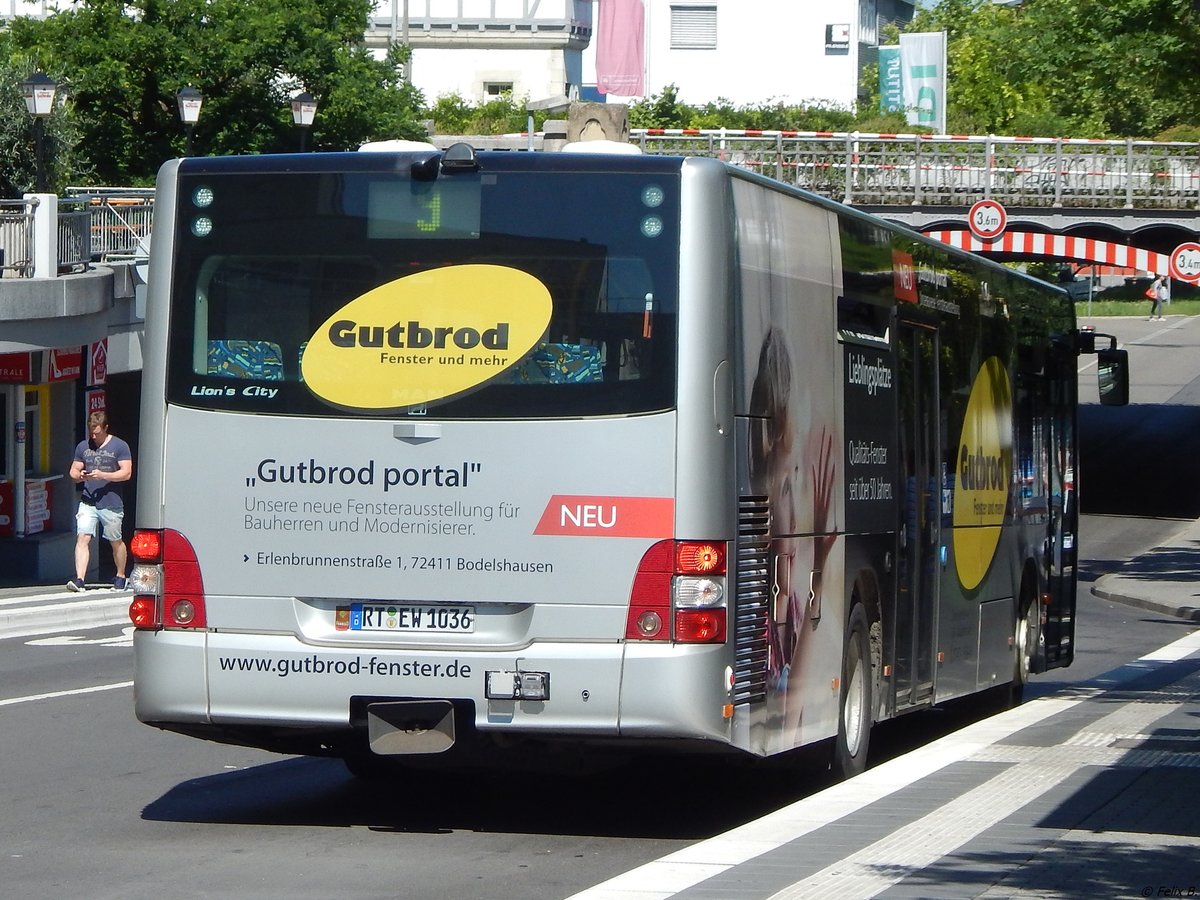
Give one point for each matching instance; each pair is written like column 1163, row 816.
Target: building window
column 495, row 90
column 37, row 420
column 694, row 26
column 868, row 22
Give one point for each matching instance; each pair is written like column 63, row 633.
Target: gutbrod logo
column 426, row 336
column 984, row 473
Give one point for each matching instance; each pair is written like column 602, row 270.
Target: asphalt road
column 99, row 806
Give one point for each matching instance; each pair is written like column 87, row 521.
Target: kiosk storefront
column 38, row 402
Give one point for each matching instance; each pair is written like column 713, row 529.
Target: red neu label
column 904, row 276
column 646, row 517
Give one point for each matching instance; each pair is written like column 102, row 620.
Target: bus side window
column 245, row 360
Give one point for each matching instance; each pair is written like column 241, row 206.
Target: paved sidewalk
column 1165, row 580
column 42, row 609
column 1088, row 793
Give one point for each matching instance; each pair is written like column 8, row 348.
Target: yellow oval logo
column 984, row 473
column 426, row 337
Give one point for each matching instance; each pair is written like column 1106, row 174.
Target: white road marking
column 54, row 695
column 124, row 639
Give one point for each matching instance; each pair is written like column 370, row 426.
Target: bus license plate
column 406, row 618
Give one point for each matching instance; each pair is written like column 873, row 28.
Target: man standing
column 103, row 463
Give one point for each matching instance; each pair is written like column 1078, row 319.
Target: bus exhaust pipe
column 405, row 727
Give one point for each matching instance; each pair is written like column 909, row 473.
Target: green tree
column 665, row 110
column 451, row 114
column 1078, row 68
column 18, row 147
column 125, row 61
column 661, row 110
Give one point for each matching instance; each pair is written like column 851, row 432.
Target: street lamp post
column 190, row 100
column 38, row 90
column 304, row 110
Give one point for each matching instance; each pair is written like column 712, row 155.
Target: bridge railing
column 953, row 170
column 120, row 218
column 16, row 237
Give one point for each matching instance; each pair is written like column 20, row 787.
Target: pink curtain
column 619, row 48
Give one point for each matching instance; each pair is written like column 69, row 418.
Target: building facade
column 70, row 338
column 746, row 51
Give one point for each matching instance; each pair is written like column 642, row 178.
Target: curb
column 1188, row 613
column 48, row 616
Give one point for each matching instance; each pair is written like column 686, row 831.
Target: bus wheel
column 854, row 719
column 1025, row 641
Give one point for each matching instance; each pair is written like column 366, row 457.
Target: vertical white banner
column 923, row 59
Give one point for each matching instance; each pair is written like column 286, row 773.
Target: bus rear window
column 492, row 295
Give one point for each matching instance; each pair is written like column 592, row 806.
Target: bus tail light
column 700, row 626
column 168, row 588
column 679, row 594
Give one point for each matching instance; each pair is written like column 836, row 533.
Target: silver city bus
column 450, row 453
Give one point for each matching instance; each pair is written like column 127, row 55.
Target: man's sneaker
column 118, row 583
column 76, row 584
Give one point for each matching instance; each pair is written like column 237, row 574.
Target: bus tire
column 1026, row 629
column 854, row 701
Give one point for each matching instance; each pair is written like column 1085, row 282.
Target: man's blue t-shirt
column 98, row 493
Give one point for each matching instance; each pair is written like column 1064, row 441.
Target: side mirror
column 1113, row 371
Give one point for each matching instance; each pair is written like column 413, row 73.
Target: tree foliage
column 1079, row 68
column 1047, row 68
column 1074, row 68
column 18, row 145
column 451, row 114
column 664, row 110
column 123, row 63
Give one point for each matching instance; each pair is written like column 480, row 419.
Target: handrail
column 93, row 225
column 16, row 237
column 861, row 168
column 878, row 169
column 121, row 221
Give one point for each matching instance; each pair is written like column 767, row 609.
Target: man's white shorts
column 88, row 517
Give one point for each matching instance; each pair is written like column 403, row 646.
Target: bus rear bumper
column 230, row 687
column 241, row 683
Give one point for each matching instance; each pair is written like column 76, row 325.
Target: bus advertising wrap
column 985, row 452
column 426, row 337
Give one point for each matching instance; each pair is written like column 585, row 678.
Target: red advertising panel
column 16, row 368
column 96, row 402
column 66, row 363
column 98, row 362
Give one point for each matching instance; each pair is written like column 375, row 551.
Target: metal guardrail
column 74, row 235
column 953, row 170
column 16, row 238
column 98, row 225
column 121, row 220
column 113, row 224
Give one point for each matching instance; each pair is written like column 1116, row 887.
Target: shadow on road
column 659, row 799
column 1140, row 460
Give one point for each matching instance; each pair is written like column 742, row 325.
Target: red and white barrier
column 1060, row 245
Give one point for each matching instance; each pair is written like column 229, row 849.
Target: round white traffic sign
column 987, row 220
column 1185, row 262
